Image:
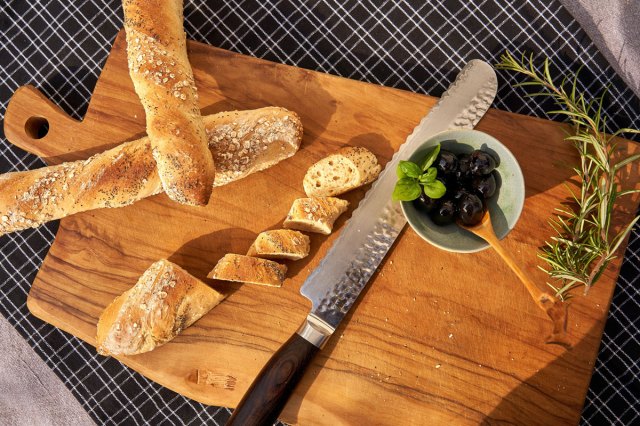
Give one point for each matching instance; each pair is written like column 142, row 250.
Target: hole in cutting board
column 36, row 127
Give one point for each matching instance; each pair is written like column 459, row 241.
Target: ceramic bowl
column 505, row 206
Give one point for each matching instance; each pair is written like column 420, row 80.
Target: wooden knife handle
column 271, row 389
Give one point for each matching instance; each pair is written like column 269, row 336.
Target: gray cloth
column 30, row 393
column 613, row 27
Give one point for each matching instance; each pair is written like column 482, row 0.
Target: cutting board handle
column 32, row 122
column 270, row 391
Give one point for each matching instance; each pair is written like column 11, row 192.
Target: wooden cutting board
column 436, row 338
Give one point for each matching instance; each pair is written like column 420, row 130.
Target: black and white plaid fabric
column 61, row 46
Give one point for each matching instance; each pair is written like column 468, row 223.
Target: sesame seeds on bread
column 315, row 214
column 163, row 80
column 280, row 244
column 165, row 300
column 338, row 173
column 249, row 270
column 242, row 142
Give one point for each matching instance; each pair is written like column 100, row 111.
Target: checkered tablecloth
column 61, row 46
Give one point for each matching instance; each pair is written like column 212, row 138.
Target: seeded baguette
column 280, row 244
column 165, row 300
column 315, row 214
column 242, row 142
column 249, row 270
column 163, row 79
column 338, row 173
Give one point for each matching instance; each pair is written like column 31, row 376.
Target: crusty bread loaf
column 336, row 174
column 315, row 214
column 163, row 79
column 242, row 142
column 280, row 244
column 165, row 300
column 249, row 270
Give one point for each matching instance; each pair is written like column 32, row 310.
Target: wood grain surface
column 270, row 391
column 436, row 338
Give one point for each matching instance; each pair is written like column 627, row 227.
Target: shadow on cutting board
column 271, row 84
column 200, row 255
column 550, row 391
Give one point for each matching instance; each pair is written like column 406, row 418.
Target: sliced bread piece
column 165, row 300
column 280, row 244
column 315, row 214
column 249, row 270
column 350, row 168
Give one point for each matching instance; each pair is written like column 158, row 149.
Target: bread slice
column 336, row 174
column 249, row 270
column 315, row 214
column 280, row 244
column 165, row 300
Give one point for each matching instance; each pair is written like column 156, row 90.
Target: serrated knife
column 334, row 286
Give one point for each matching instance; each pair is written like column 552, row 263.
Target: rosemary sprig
column 584, row 243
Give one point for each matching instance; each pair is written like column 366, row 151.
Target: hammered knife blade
column 335, row 284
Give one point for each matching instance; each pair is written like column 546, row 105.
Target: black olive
column 481, row 163
column 450, row 183
column 485, row 185
column 460, row 192
column 446, row 163
column 424, row 203
column 444, row 213
column 463, row 172
column 471, row 209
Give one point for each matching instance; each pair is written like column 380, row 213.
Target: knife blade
column 334, row 286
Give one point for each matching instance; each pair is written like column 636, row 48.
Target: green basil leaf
column 410, row 169
column 407, row 189
column 435, row 189
column 431, row 157
column 429, row 176
column 400, row 173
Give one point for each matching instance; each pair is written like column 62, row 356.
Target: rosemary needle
column 584, row 243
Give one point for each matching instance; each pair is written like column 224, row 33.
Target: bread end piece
column 280, row 244
column 165, row 300
column 350, row 168
column 315, row 214
column 249, row 270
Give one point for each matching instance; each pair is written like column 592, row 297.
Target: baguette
column 242, row 142
column 163, row 79
column 165, row 300
column 336, row 174
column 315, row 214
column 249, row 270
column 280, row 244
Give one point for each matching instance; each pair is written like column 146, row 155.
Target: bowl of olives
column 460, row 174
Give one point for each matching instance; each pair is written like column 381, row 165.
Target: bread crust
column 249, row 270
column 315, row 214
column 280, row 244
column 243, row 142
column 163, row 79
column 350, row 168
column 165, row 300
